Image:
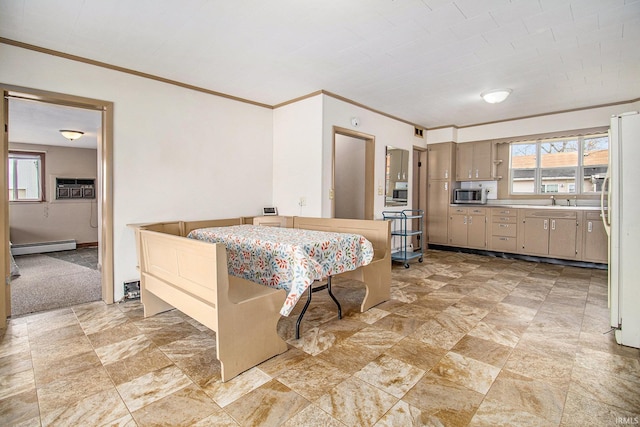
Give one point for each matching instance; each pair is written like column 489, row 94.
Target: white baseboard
column 42, row 247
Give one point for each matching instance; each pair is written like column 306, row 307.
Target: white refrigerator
column 623, row 227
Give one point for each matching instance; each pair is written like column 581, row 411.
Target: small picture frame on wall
column 269, row 211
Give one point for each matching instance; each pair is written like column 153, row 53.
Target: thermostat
column 269, row 211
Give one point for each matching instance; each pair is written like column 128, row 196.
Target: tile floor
column 85, row 256
column 465, row 340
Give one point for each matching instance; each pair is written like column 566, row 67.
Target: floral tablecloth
column 287, row 258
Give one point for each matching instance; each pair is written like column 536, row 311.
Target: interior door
column 349, row 175
column 352, row 184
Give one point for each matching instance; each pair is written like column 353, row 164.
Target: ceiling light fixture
column 495, row 96
column 71, row 134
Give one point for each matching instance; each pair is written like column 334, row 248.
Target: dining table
column 289, row 258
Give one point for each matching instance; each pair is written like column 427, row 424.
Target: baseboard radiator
column 39, row 248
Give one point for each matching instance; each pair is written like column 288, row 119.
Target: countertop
column 528, row 206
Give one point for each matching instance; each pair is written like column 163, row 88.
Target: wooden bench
column 376, row 275
column 190, row 275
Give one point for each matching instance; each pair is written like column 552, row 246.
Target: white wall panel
column 178, row 153
column 297, row 157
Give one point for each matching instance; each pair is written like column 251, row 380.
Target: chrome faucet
column 553, row 200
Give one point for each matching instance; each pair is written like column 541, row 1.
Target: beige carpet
column 46, row 283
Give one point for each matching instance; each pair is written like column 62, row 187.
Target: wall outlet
column 303, row 201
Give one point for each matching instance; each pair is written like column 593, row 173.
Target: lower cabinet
column 438, row 200
column 595, row 239
column 561, row 233
column 504, row 230
column 468, row 227
column 550, row 233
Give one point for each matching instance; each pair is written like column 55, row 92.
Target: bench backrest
column 196, row 270
column 274, row 221
column 188, row 226
column 377, row 232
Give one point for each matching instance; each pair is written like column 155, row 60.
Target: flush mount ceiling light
column 71, row 134
column 495, row 96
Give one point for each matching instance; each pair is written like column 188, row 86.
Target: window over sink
column 560, row 166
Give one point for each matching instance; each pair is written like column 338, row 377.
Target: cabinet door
column 464, row 162
column 596, row 241
column 477, row 231
column 562, row 237
column 458, row 230
column 536, row 236
column 438, row 199
column 439, row 161
column 482, row 160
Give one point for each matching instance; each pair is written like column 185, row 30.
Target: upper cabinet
column 474, row 161
column 441, row 161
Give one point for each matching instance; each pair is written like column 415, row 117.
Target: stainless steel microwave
column 476, row 196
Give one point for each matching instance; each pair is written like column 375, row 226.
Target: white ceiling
column 424, row 61
column 33, row 122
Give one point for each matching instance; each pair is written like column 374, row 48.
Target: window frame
column 41, row 178
column 577, row 184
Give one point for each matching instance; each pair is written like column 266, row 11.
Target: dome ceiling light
column 495, row 96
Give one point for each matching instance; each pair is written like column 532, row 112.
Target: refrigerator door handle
column 605, row 218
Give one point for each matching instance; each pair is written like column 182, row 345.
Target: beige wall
column 57, row 219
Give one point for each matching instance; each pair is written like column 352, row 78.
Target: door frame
column 105, row 172
column 419, row 193
column 369, row 168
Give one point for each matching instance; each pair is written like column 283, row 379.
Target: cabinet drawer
column 593, row 216
column 504, row 212
column 504, row 219
column 503, row 229
column 551, row 214
column 477, row 211
column 458, row 211
column 503, row 243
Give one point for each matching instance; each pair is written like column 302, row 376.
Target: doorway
column 419, row 194
column 352, row 174
column 104, row 216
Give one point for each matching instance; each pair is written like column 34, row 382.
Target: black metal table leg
column 306, row 305
column 304, row 309
column 333, row 297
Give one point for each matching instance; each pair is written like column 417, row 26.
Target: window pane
column 558, row 154
column 558, row 180
column 523, row 181
column 593, row 178
column 595, row 151
column 25, row 177
column 523, row 156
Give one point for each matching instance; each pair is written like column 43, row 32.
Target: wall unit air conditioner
column 75, row 188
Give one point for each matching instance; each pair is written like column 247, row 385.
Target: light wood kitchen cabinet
column 467, row 227
column 503, row 230
column 440, row 162
column 438, row 200
column 562, row 233
column 595, row 239
column 474, row 161
column 550, row 233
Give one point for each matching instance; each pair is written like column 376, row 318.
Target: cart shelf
column 403, row 232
